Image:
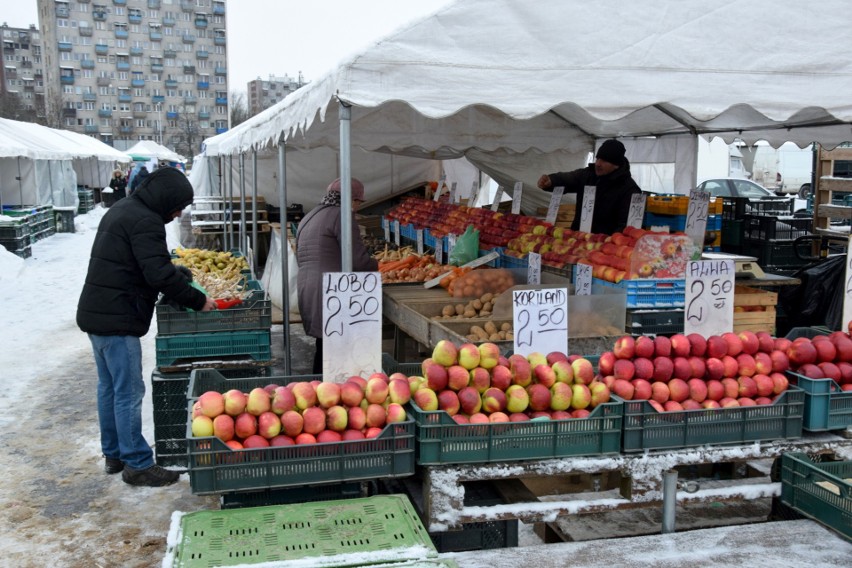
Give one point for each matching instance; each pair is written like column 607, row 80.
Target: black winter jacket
column 612, row 198
column 130, row 262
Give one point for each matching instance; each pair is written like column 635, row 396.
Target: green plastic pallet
column 820, row 491
column 383, row 529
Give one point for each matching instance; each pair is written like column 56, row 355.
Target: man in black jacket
column 615, row 186
column 129, row 265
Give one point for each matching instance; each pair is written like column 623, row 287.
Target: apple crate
column 255, row 312
column 188, row 347
column 647, row 292
column 821, row 491
column 384, row 529
column 678, row 205
column 440, row 440
column 827, row 407
column 647, row 429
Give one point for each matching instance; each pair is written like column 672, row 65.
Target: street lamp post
column 160, row 122
column 109, row 118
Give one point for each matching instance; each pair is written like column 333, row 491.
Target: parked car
column 736, row 187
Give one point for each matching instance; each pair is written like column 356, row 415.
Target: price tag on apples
column 451, row 243
column 396, row 232
column 540, row 318
column 440, row 189
column 517, row 193
column 534, row 268
column 454, row 195
column 846, row 324
column 587, row 209
column 474, row 193
column 582, row 279
column 696, row 217
column 351, row 324
column 636, row 215
column 555, row 200
column 419, row 234
column 439, row 251
column 709, row 302
column 386, row 227
column 497, row 197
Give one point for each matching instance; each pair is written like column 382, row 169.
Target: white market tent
column 43, row 166
column 146, row 150
column 524, row 88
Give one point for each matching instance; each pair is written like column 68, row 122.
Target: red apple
column 697, row 344
column 641, row 389
column 680, row 345
column 750, row 342
column 662, row 346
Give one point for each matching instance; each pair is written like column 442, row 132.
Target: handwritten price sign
column 454, row 195
column 696, row 217
column 553, row 209
column 419, row 241
column 396, row 232
column 847, row 297
column 709, row 297
column 587, row 210
column 540, row 320
column 517, row 193
column 474, row 193
column 497, row 197
column 440, row 188
column 583, row 279
column 636, row 215
column 351, row 324
column 534, row 268
column 386, row 227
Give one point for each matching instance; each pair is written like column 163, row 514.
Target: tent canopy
column 518, row 88
column 150, row 150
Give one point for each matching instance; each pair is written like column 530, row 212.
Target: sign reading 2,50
column 719, row 290
column 350, row 300
column 546, row 320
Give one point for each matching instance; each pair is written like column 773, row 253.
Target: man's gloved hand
column 544, row 182
column 209, row 304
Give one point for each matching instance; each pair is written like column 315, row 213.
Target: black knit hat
column 611, row 151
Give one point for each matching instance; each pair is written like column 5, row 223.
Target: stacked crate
column 15, row 237
column 772, row 241
column 30, row 223
column 87, row 200
column 670, row 211
column 236, row 341
column 734, row 211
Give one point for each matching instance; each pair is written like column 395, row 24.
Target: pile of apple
column 823, row 357
column 302, row 412
column 689, row 372
column 476, row 385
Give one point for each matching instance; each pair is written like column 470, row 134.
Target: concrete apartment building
column 21, row 72
column 130, row 70
column 263, row 94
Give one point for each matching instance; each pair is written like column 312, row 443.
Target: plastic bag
column 271, row 280
column 818, row 300
column 467, row 247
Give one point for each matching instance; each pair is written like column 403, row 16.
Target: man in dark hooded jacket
column 129, row 265
column 615, row 187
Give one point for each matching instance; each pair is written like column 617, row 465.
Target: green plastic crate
column 440, row 440
column 288, row 496
column 827, row 407
column 254, row 313
column 647, row 429
column 175, row 349
column 350, row 532
column 820, row 491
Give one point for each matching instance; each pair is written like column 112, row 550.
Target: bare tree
column 52, row 106
column 238, row 108
column 186, row 137
column 13, row 108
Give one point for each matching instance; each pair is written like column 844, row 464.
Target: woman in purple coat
column 318, row 251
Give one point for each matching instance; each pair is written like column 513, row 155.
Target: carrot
column 406, row 262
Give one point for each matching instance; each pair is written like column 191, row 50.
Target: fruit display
column 821, row 357
column 404, row 265
column 220, row 274
column 478, row 282
column 475, row 384
column 302, row 412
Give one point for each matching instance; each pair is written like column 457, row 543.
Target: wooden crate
column 754, row 309
column 748, row 296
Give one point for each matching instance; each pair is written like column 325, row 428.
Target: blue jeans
column 120, row 392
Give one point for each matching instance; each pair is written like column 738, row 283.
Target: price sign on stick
column 587, row 208
column 439, row 250
column 553, row 209
column 517, row 192
column 386, row 227
column 709, row 307
column 396, row 232
column 497, row 197
column 351, row 324
column 419, row 241
column 696, row 217
column 451, row 244
column 440, row 189
column 474, row 193
column 636, row 215
column 534, row 268
column 540, row 319
column 847, row 295
column 582, row 279
column 454, row 195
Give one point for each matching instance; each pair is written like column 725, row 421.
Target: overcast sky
column 284, row 37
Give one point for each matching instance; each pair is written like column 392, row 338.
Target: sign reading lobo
column 709, row 297
column 351, row 324
column 540, row 320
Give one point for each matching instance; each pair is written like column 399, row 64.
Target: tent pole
column 285, row 245
column 20, row 181
column 345, row 189
column 243, row 244
column 254, row 209
column 50, row 179
column 228, row 228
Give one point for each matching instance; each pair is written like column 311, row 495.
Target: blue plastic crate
column 434, row 242
column 497, row 262
column 508, row 261
column 648, row 293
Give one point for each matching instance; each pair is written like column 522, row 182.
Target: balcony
column 103, row 81
column 137, row 83
column 26, row 64
column 171, row 114
column 170, row 22
column 201, row 23
column 65, row 46
column 121, row 33
column 104, row 112
column 202, row 54
column 158, row 99
column 190, row 99
column 125, row 98
column 85, row 31
column 221, row 130
column 203, row 115
column 169, row 54
column 99, row 15
column 101, row 49
column 69, row 112
column 154, row 4
column 218, row 9
column 120, row 2
column 83, row 1
column 137, row 51
column 90, row 97
column 155, row 36
column 203, row 85
column 139, row 113
column 188, row 38
column 156, row 68
column 122, row 65
column 219, row 41
column 67, row 79
column 171, row 84
column 222, row 101
column 187, row 5
column 87, row 63
column 134, row 18
column 91, row 128
column 220, row 70
column 63, row 11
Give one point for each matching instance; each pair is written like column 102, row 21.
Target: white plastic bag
column 271, row 279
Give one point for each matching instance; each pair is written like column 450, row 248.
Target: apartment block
column 263, row 94
column 21, row 72
column 130, row 70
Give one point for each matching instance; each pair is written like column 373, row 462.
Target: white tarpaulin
column 522, row 88
column 150, row 150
